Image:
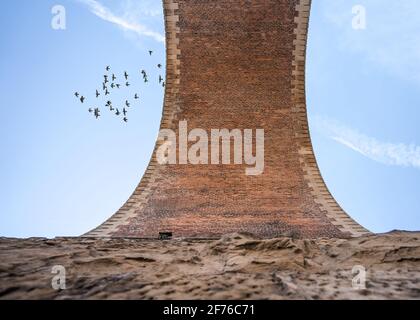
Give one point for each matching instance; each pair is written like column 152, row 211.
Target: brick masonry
column 236, row 64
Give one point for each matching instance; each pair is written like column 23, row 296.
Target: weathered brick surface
column 236, row 64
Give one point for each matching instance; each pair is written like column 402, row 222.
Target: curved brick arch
column 236, row 64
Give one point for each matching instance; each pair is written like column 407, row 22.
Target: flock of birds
column 110, row 83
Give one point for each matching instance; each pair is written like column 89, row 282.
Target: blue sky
column 62, row 172
column 364, row 108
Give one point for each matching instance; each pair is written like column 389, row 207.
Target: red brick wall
column 236, row 64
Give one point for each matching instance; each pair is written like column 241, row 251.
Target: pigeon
column 106, row 92
column 97, row 113
column 108, row 103
column 97, row 93
column 125, row 119
column 127, row 103
column 163, row 84
column 82, row 99
column 159, row 66
column 112, row 85
column 117, row 85
column 103, row 86
column 111, row 108
column 136, row 96
column 150, row 52
column 127, row 84
column 114, row 77
column 145, row 80
column 160, row 79
column 124, row 111
column 76, row 94
column 90, row 110
column 108, row 68
column 125, row 75
column 118, row 112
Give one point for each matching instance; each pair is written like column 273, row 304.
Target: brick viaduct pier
column 236, row 64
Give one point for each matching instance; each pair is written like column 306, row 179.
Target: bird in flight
column 108, row 84
column 163, row 84
column 150, row 52
column 109, row 104
column 160, row 79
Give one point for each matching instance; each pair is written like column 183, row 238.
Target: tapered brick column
column 236, row 64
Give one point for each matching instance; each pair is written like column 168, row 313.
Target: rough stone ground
column 238, row 266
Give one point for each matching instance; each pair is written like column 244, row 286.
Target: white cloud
column 126, row 22
column 142, row 8
column 397, row 154
column 391, row 39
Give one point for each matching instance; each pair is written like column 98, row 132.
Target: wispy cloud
column 391, row 39
column 397, row 154
column 125, row 22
